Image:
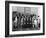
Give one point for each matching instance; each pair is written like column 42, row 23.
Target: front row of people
column 23, row 20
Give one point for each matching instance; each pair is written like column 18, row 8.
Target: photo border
column 7, row 18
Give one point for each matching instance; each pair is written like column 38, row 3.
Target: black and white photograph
column 25, row 18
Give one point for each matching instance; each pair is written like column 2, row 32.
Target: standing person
column 34, row 20
column 24, row 20
column 39, row 21
column 18, row 22
column 15, row 22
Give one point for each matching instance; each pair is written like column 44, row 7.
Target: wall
column 2, row 19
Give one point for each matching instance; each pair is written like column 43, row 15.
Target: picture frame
column 10, row 7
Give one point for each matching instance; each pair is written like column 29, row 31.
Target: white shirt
column 15, row 20
column 35, row 22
